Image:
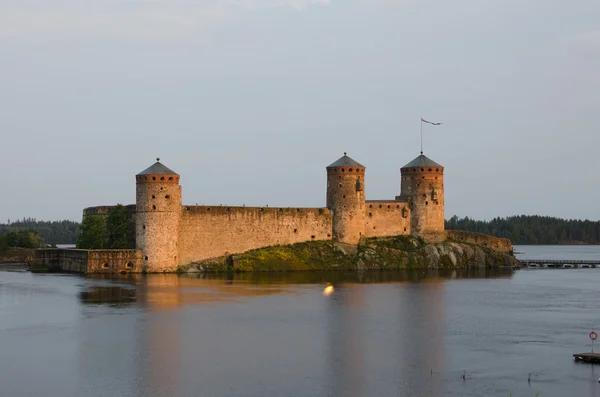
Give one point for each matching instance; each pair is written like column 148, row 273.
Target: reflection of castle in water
column 414, row 330
column 422, row 347
column 167, row 291
column 116, row 295
column 153, row 346
column 346, row 343
column 161, row 342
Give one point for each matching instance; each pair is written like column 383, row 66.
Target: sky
column 250, row 100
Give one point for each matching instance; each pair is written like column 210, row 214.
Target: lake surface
column 377, row 334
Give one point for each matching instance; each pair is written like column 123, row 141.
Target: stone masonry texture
column 387, row 218
column 157, row 221
column 209, row 231
column 170, row 235
column 346, row 200
column 423, row 189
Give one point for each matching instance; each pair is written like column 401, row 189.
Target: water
column 65, row 246
column 378, row 334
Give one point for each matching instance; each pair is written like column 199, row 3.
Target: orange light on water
column 328, row 290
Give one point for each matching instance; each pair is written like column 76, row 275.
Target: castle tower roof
column 158, row 169
column 345, row 161
column 422, row 161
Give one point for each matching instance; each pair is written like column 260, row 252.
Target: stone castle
column 170, row 234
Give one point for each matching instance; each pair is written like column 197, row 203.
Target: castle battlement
column 170, row 234
column 232, row 210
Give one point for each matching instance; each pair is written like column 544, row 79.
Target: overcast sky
column 249, row 100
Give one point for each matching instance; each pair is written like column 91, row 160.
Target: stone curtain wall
column 18, row 255
column 71, row 260
column 114, row 261
column 495, row 243
column 90, row 261
column 210, row 232
column 387, row 218
column 103, row 209
column 46, row 257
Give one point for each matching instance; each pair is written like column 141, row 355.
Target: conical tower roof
column 422, row 161
column 158, row 169
column 345, row 161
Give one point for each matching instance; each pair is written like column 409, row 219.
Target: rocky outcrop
column 483, row 240
column 383, row 253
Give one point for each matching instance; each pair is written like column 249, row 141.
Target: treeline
column 55, row 232
column 532, row 229
column 21, row 239
column 116, row 230
column 113, row 231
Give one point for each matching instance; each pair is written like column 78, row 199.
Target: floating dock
column 587, row 357
column 559, row 263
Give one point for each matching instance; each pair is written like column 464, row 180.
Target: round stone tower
column 422, row 185
column 346, row 199
column 157, row 219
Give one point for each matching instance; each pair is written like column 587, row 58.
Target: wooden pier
column 593, row 358
column 560, row 263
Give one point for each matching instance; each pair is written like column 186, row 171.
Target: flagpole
column 421, row 135
column 428, row 122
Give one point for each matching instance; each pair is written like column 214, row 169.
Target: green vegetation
column 314, row 255
column 3, row 244
column 21, row 239
column 120, row 228
column 115, row 231
column 532, row 229
column 381, row 253
column 55, row 232
column 402, row 243
column 93, row 233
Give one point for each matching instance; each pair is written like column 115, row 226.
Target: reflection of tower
column 158, row 214
column 158, row 342
column 134, row 354
column 421, row 339
column 422, row 185
column 346, row 344
column 346, row 199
